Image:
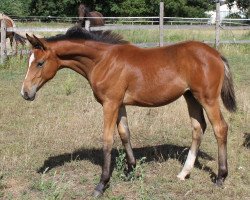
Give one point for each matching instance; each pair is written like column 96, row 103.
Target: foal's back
column 157, row 76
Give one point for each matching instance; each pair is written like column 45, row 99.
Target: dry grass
column 51, row 148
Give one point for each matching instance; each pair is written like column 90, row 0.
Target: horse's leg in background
column 11, row 42
column 16, row 49
column 110, row 112
column 123, row 129
column 220, row 128
column 21, row 49
column 21, row 53
column 199, row 125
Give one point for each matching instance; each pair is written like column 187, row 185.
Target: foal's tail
column 227, row 92
column 19, row 39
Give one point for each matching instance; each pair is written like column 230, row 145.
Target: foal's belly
column 154, row 85
column 154, row 96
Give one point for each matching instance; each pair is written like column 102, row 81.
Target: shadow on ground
column 159, row 153
column 246, row 142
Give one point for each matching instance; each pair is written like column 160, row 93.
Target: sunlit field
column 51, row 148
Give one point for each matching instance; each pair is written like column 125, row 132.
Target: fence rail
column 127, row 27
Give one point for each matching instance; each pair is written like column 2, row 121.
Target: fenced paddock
column 160, row 23
column 51, row 148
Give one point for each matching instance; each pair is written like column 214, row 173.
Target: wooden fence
column 161, row 27
column 3, row 41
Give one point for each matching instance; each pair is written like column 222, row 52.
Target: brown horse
column 11, row 35
column 84, row 14
column 122, row 74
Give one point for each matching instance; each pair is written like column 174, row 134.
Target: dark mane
column 79, row 33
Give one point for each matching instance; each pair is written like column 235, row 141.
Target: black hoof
column 97, row 194
column 99, row 189
column 129, row 169
column 219, row 182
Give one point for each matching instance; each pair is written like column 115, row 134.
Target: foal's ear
column 31, row 39
column 36, row 42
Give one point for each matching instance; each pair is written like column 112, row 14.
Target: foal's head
column 43, row 65
column 44, row 61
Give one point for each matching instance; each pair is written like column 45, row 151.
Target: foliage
column 131, row 8
column 181, row 8
column 233, row 16
column 136, row 174
column 15, row 7
column 187, row 8
column 51, row 188
column 61, row 8
column 244, row 6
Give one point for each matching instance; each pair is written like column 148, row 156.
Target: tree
column 173, row 8
column 243, row 5
column 187, row 8
column 60, row 8
column 131, row 8
column 14, row 7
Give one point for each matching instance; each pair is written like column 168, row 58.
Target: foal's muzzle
column 26, row 96
column 29, row 95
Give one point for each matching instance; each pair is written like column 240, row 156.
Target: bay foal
column 122, row 74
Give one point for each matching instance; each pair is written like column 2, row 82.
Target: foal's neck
column 81, row 57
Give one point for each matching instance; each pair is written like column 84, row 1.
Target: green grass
column 143, row 36
column 62, row 131
column 42, row 24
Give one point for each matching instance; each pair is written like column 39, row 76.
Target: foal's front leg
column 110, row 112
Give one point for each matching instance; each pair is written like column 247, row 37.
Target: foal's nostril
column 26, row 94
column 27, row 97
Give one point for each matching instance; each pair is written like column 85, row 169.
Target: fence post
column 217, row 25
column 87, row 25
column 161, row 23
column 3, row 41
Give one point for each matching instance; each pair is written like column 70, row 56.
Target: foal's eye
column 40, row 64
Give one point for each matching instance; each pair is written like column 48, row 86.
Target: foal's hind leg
column 122, row 125
column 199, row 125
column 220, row 128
